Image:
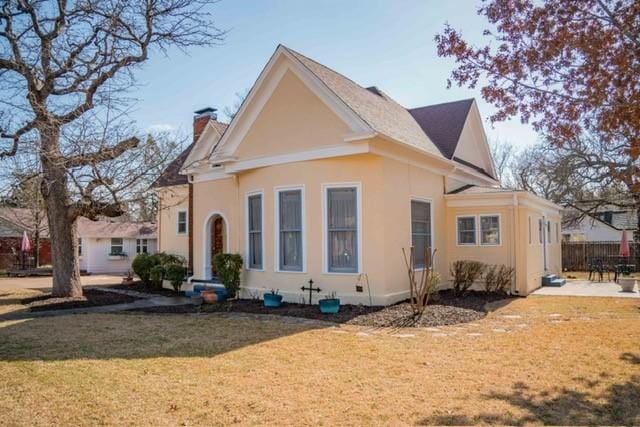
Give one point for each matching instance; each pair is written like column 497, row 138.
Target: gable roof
column 171, row 175
column 117, row 229
column 368, row 112
column 378, row 110
column 443, row 123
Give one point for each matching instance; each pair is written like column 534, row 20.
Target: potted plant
column 272, row 299
column 626, row 282
column 128, row 278
column 330, row 304
column 209, row 296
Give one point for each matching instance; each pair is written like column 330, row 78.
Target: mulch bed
column 91, row 298
column 138, row 286
column 447, row 310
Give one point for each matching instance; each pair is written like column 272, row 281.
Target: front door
column 217, row 240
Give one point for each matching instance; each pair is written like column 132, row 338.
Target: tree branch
column 102, row 155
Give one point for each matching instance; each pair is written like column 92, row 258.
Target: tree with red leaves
column 571, row 68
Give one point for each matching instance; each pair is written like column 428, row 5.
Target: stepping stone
column 362, row 334
column 499, row 330
column 432, row 329
column 511, row 316
column 439, row 335
column 338, row 331
column 474, row 334
column 555, row 315
column 403, row 335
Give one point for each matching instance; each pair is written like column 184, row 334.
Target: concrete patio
column 586, row 288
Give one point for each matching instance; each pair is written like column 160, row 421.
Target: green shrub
column 228, row 268
column 465, row 273
column 498, row 279
column 142, row 265
column 175, row 273
column 156, row 275
column 163, row 258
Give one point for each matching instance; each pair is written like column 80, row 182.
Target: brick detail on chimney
column 199, row 123
column 190, row 229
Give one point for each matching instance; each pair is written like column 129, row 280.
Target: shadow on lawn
column 108, row 336
column 617, row 404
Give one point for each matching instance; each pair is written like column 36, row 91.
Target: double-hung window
column 182, row 222
column 489, row 229
column 141, row 246
column 466, row 230
column 290, row 230
column 254, row 220
column 342, row 229
column 420, row 232
column 117, row 246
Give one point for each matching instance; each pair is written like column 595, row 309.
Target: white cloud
column 161, row 127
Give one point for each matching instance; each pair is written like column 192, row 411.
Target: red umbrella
column 624, row 244
column 26, row 244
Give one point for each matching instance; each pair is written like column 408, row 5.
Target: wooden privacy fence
column 576, row 256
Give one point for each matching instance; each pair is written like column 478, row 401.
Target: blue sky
column 384, row 43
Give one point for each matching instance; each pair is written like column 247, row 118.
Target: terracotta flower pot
column 209, row 296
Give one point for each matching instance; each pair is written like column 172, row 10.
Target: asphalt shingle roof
column 443, row 123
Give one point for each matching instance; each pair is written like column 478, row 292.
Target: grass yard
column 554, row 360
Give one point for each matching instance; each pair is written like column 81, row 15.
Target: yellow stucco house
column 319, row 178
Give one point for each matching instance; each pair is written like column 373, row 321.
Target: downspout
column 514, row 258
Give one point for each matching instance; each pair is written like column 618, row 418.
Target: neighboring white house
column 605, row 225
column 110, row 247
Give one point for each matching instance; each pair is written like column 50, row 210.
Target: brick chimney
column 200, row 120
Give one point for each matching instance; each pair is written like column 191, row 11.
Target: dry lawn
column 554, row 360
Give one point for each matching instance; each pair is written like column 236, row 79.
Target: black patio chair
column 596, row 269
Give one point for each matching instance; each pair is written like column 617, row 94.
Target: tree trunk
column 62, row 228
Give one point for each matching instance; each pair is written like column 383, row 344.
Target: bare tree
column 65, row 65
column 503, row 153
column 231, row 110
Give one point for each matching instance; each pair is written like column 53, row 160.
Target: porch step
column 220, row 290
column 552, row 280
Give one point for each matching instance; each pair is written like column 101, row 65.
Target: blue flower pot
column 330, row 306
column 271, row 300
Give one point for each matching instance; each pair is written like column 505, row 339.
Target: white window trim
column 433, row 239
column 276, row 227
column 186, row 222
column 499, row 229
column 475, row 230
column 140, row 245
column 246, row 229
column 325, row 232
column 111, row 244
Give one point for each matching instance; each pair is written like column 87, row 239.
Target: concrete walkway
column 145, row 301
column 585, row 288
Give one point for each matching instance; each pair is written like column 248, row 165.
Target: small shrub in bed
column 156, row 274
column 176, row 273
column 142, row 265
column 465, row 273
column 498, row 279
column 228, row 268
